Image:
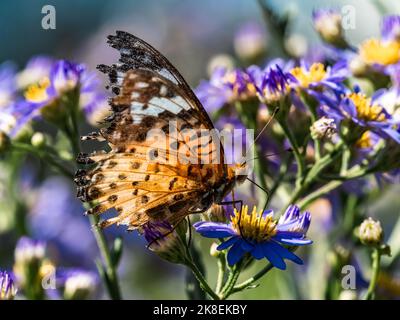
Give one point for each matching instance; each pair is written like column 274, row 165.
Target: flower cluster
column 326, row 123
column 41, row 91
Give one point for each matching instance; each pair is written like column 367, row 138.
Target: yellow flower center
column 375, row 51
column 253, row 226
column 316, row 73
column 365, row 110
column 38, row 92
column 365, row 141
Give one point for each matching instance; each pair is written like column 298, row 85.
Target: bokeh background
column 189, row 33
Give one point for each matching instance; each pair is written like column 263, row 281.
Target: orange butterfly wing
column 165, row 160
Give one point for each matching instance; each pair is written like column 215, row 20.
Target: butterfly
column 165, row 160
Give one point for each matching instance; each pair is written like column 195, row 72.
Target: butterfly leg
column 261, row 188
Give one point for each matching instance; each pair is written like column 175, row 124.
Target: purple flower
column 384, row 52
column 7, row 287
column 390, row 28
column 363, row 112
column 390, row 97
column 316, row 76
column 328, row 23
column 7, row 84
column 64, row 77
column 260, row 235
column 225, row 87
column 35, row 70
column 272, row 84
column 29, row 250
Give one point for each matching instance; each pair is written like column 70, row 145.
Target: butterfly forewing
column 165, row 158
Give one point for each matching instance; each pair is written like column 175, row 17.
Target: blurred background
column 190, row 34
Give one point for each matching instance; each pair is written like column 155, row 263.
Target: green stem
column 110, row 269
column 353, row 173
column 231, row 281
column 313, row 174
column 221, row 272
column 203, row 282
column 250, row 281
column 113, row 287
column 45, row 156
column 376, row 261
column 318, row 193
column 296, row 151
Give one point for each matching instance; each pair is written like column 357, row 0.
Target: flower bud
column 165, row 241
column 328, row 23
column 29, row 251
column 358, row 67
column 79, row 285
column 370, row 232
column 296, row 45
column 29, row 258
column 38, row 140
column 7, row 288
column 323, row 128
column 250, row 42
column 220, row 61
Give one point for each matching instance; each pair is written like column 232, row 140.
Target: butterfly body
column 166, row 161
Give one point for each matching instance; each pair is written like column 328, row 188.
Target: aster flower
column 390, row 28
column 317, row 76
column 383, row 52
column 390, row 97
column 35, row 70
column 272, row 84
column 7, row 287
column 44, row 97
column 364, row 113
column 259, row 234
column 225, row 87
column 328, row 23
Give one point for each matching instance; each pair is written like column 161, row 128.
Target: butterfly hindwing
column 164, row 158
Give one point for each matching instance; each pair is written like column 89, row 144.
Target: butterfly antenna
column 262, row 131
column 272, row 154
